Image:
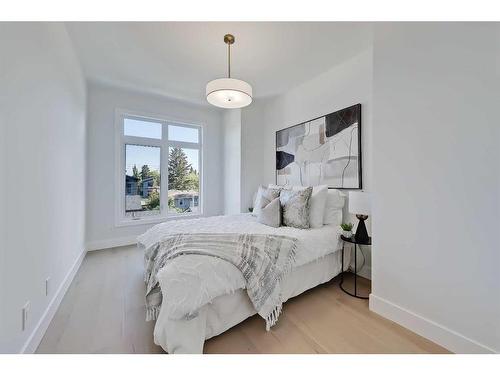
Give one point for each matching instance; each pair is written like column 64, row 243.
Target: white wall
column 342, row 86
column 436, row 181
column 3, row 203
column 252, row 156
column 231, row 120
column 42, row 105
column 101, row 190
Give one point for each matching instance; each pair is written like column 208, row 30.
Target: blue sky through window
column 138, row 128
column 182, row 134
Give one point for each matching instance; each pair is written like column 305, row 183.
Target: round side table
column 356, row 243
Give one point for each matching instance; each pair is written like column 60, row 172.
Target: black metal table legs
column 355, row 294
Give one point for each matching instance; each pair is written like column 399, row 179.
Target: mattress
column 226, row 311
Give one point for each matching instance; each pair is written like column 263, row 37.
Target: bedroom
column 187, row 189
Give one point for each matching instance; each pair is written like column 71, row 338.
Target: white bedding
column 226, row 311
column 190, row 283
column 319, row 241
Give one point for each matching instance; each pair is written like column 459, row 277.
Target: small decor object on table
column 250, row 209
column 346, row 229
column 360, row 205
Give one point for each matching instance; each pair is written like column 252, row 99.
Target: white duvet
column 190, row 282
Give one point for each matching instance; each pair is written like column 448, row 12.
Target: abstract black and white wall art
column 323, row 151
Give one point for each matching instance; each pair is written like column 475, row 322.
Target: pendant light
column 229, row 92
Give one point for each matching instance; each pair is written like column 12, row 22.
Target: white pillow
column 335, row 201
column 335, row 217
column 256, row 200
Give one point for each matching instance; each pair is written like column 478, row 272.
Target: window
column 159, row 172
column 183, row 180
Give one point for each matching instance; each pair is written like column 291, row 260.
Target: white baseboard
column 41, row 327
column 449, row 339
column 114, row 242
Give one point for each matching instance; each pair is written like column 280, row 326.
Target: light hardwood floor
column 103, row 312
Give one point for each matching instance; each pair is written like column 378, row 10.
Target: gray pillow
column 295, row 206
column 270, row 213
column 264, row 196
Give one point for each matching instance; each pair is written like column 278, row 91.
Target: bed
column 213, row 290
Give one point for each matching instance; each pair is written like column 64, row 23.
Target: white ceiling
column 177, row 59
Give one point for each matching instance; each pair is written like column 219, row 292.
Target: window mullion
column 180, row 144
column 164, row 169
column 139, row 141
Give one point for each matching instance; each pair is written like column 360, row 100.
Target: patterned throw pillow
column 270, row 213
column 316, row 204
column 295, row 207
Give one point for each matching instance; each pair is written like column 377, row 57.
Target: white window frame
column 164, row 144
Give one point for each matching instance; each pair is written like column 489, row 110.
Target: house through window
column 161, row 169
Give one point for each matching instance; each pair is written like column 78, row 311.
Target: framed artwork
column 322, row 151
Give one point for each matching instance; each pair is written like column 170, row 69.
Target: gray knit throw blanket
column 263, row 260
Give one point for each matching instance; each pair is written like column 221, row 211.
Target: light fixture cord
column 228, row 60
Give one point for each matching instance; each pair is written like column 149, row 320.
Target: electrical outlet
column 25, row 311
column 47, row 285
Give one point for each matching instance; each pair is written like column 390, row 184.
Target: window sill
column 156, row 220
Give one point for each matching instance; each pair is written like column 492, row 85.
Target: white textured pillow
column 268, row 194
column 317, row 206
column 270, row 213
column 296, row 207
column 335, row 201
